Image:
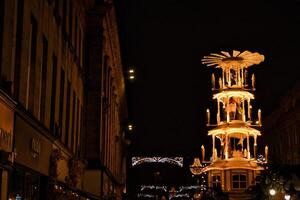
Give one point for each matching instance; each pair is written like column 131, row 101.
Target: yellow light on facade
column 272, row 192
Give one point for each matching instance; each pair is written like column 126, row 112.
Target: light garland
column 172, row 160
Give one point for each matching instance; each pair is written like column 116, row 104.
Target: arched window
column 239, row 181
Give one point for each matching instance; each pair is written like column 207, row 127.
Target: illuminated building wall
column 45, row 84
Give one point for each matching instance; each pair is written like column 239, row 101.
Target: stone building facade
column 282, row 128
column 62, row 111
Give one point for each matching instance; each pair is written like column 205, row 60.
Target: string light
column 172, row 160
column 287, row 197
column 272, row 192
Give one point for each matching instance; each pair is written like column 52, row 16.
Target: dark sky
column 165, row 41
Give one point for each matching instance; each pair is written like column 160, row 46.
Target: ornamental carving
column 56, row 155
column 76, row 168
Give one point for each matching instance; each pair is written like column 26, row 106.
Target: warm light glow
column 287, row 197
column 131, row 77
column 130, row 127
column 259, row 116
column 227, row 94
column 229, row 130
column 208, row 116
column 196, row 163
column 131, row 71
column 233, row 115
column 237, row 59
column 272, row 192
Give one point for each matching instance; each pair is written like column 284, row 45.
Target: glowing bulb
column 130, row 127
column 287, row 197
column 131, row 71
column 131, row 77
column 272, row 192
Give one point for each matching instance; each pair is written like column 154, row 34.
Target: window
column 295, row 133
column 239, row 181
column 31, row 70
column 68, row 105
column 105, row 102
column 79, row 47
column 26, row 184
column 1, row 29
column 78, row 127
column 56, row 7
column 216, row 181
column 20, row 10
column 53, row 94
column 61, row 100
column 71, row 21
column 73, row 128
column 43, row 79
column 64, row 16
column 75, row 36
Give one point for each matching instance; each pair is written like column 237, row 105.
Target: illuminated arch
column 171, row 160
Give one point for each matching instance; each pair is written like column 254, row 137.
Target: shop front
column 43, row 168
column 31, row 167
column 6, row 142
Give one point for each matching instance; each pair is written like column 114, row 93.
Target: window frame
column 239, row 181
column 216, row 183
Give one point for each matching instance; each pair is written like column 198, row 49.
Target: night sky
column 165, row 41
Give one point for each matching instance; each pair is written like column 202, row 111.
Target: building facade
column 47, row 135
column 105, row 105
column 281, row 129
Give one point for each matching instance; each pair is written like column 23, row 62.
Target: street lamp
column 130, row 127
column 131, row 74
